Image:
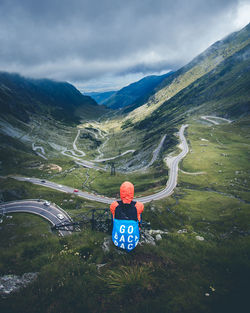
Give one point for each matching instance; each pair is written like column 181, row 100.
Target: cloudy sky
column 106, row 44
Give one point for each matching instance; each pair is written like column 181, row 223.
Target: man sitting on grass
column 126, row 218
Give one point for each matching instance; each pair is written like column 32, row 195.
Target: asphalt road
column 173, row 171
column 48, row 212
column 168, row 190
column 63, row 188
column 212, row 119
column 155, row 153
column 91, row 164
column 81, row 153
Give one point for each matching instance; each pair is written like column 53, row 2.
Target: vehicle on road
column 43, row 181
column 60, row 186
column 76, row 190
column 47, row 203
column 60, row 216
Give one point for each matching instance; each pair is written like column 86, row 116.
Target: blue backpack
column 125, row 234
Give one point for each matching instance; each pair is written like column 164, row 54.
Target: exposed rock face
column 182, row 231
column 106, row 244
column 158, row 237
column 157, row 231
column 12, row 283
column 200, row 238
column 147, row 236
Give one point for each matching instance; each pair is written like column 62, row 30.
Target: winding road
column 74, row 144
column 56, row 215
column 50, row 212
column 76, row 156
column 211, row 118
column 115, row 157
column 172, row 181
column 173, row 171
column 91, row 164
column 155, row 154
column 35, row 148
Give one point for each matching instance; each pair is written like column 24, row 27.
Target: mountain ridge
column 195, row 69
column 134, row 92
column 100, row 97
column 20, row 96
column 223, row 91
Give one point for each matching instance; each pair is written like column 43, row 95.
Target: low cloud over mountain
column 91, row 43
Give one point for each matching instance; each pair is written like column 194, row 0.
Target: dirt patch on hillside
column 50, row 167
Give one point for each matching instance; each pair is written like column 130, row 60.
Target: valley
column 182, row 139
column 173, row 173
column 212, row 206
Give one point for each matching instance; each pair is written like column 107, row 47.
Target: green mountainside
column 195, row 256
column 216, row 83
column 203, row 64
column 21, row 97
column 224, row 92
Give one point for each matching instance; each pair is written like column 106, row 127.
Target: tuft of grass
column 129, row 281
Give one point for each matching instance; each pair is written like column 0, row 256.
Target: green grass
column 224, row 158
column 18, row 158
column 101, row 182
column 176, row 274
column 172, row 276
column 11, row 189
column 153, row 179
column 26, row 243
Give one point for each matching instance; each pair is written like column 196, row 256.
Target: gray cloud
column 82, row 40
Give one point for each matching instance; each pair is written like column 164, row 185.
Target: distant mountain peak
column 132, row 93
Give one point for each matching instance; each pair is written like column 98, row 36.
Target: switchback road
column 172, row 181
column 212, row 119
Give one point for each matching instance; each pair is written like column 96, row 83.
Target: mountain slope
column 197, row 68
column 21, row 97
column 135, row 91
column 223, row 91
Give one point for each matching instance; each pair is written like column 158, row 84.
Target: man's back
column 127, row 207
column 126, row 216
